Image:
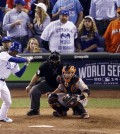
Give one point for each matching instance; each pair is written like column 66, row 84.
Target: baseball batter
column 9, row 64
column 72, row 92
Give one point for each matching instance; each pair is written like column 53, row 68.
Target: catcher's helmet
column 68, row 72
column 15, row 46
column 54, row 58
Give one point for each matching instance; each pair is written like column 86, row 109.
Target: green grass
column 93, row 103
column 31, row 69
column 103, row 103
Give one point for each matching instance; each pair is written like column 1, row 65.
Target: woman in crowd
column 88, row 35
column 40, row 21
column 32, row 46
column 33, row 7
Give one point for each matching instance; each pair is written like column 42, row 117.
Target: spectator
column 41, row 20
column 103, row 12
column 60, row 34
column 33, row 6
column 15, row 23
column 74, row 7
column 112, row 35
column 32, row 46
column 88, row 35
column 53, row 2
column 6, row 43
column 2, row 13
column 86, row 6
column 11, row 4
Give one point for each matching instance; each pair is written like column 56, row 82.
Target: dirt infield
column 101, row 121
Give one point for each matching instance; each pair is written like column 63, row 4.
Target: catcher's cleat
column 56, row 114
column 7, row 120
column 32, row 112
column 84, row 116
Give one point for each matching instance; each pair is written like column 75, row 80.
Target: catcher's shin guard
column 78, row 109
column 55, row 104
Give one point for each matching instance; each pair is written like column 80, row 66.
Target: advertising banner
column 98, row 72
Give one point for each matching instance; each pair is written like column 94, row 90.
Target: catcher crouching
column 72, row 92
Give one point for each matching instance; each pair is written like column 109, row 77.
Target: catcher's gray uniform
column 73, row 95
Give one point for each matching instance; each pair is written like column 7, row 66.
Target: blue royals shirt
column 74, row 8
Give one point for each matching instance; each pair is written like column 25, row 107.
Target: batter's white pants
column 6, row 98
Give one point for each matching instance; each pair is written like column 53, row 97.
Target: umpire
column 49, row 69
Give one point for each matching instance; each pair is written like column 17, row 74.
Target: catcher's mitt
column 70, row 101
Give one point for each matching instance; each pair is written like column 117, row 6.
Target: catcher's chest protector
column 71, row 87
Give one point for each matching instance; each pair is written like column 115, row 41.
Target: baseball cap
column 88, row 17
column 15, row 46
column 42, row 5
column 118, row 10
column 6, row 39
column 22, row 2
column 64, row 12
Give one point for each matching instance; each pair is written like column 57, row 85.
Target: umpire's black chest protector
column 50, row 73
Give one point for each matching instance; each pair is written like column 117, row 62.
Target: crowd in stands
column 66, row 26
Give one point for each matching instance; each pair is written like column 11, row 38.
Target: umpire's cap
column 15, row 46
column 54, row 57
column 6, row 39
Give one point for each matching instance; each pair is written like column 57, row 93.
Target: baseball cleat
column 56, row 114
column 84, row 116
column 7, row 120
column 32, row 112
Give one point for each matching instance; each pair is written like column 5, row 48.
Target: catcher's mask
column 68, row 72
column 54, row 58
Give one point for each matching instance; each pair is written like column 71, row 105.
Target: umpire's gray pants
column 37, row 91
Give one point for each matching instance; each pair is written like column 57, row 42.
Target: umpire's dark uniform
column 49, row 71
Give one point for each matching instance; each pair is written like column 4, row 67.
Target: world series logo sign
column 99, row 72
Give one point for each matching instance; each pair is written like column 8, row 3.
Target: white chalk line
column 41, row 126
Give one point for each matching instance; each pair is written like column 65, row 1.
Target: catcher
column 72, row 92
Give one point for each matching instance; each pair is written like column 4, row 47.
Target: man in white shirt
column 61, row 34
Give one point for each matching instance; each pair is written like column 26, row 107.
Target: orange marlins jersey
column 112, row 36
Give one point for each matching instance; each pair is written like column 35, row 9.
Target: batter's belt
column 2, row 79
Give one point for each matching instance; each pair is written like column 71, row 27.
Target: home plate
column 40, row 126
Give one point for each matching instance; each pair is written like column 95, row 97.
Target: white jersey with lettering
column 60, row 36
column 6, row 68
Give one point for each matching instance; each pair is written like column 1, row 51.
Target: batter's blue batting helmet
column 15, row 46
